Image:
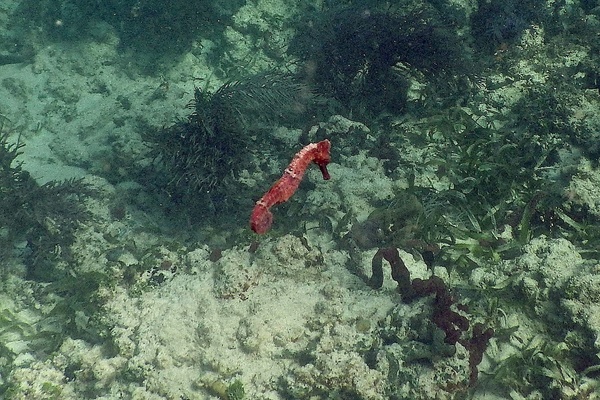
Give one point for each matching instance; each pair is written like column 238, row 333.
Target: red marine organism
column 262, row 218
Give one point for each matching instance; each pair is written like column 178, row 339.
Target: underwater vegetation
column 45, row 216
column 499, row 23
column 511, row 176
column 233, row 391
column 454, row 325
column 507, row 184
column 38, row 224
column 362, row 55
column 554, row 110
column 201, row 155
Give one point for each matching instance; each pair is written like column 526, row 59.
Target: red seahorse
column 262, row 218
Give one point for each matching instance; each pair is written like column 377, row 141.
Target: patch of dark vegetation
column 363, row 56
column 197, row 158
column 45, row 216
column 500, row 23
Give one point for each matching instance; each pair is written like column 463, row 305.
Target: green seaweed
column 541, row 365
column 46, row 216
column 197, row 160
column 365, row 54
column 235, row 391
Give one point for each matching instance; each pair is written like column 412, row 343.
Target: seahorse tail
column 261, row 219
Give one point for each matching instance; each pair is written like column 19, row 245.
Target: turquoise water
column 452, row 253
